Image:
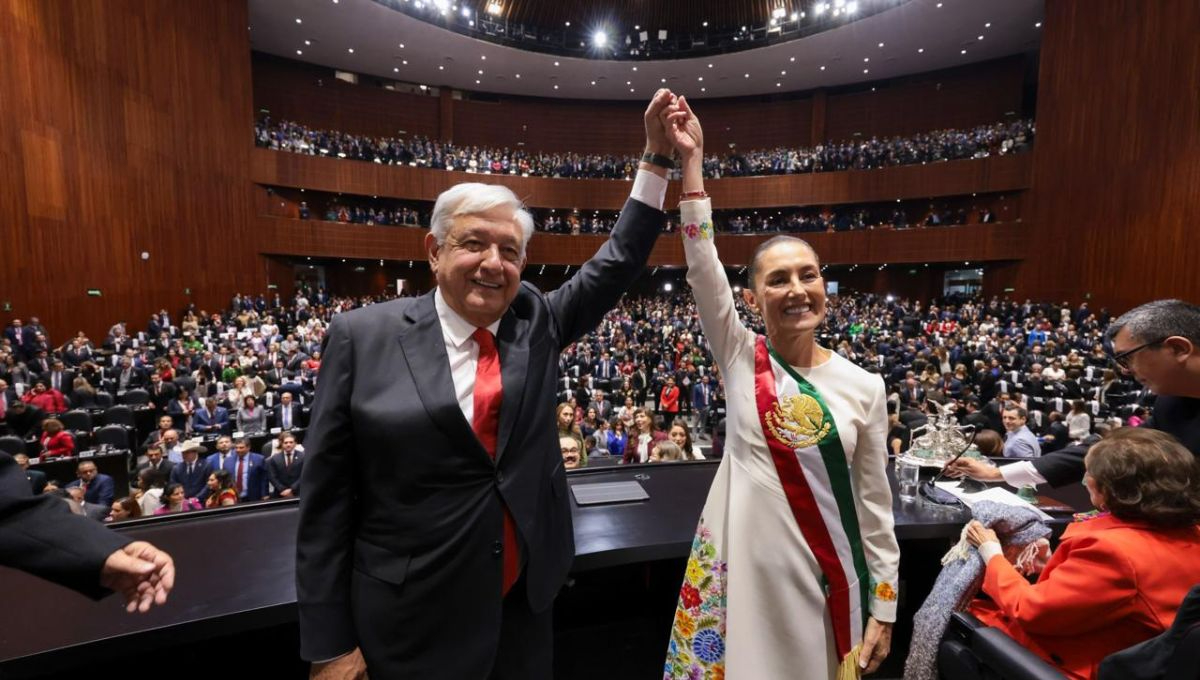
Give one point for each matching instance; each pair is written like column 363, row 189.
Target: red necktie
column 241, row 463
column 486, row 422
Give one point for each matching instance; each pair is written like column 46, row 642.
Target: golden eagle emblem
column 798, row 422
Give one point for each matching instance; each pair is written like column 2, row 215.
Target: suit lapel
column 424, row 350
column 514, row 365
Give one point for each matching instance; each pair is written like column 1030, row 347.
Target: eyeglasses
column 1123, row 359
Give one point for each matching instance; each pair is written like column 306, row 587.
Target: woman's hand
column 977, row 534
column 657, row 141
column 683, row 129
column 877, row 642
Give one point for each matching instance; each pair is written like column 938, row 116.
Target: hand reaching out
column 657, row 141
column 682, row 128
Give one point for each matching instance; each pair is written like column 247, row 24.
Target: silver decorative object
column 940, row 439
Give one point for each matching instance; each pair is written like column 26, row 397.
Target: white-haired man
column 435, row 528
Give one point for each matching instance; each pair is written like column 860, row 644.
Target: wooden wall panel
column 1117, row 161
column 974, row 243
column 960, row 97
column 123, row 130
column 953, row 178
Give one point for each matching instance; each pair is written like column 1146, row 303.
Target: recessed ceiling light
column 401, row 45
column 981, row 37
column 964, row 51
column 1038, row 25
column 920, row 50
column 988, row 25
column 939, row 5
column 299, row 52
column 395, row 69
column 792, row 59
column 881, row 44
column 747, row 75
column 634, row 68
column 518, row 75
column 441, row 68
column 480, row 71
column 351, row 50
column 710, row 65
column 664, row 80
column 637, row 28
column 701, row 79
column 476, row 82
column 556, row 63
column 778, row 84
column 866, row 59
column 866, row 70
column 307, row 42
column 783, row 73
column 631, row 89
column 483, row 57
column 628, row 82
column 593, row 82
column 298, row 20
column 556, row 87
column 822, row 68
column 568, row 23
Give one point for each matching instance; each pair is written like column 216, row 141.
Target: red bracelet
column 689, row 195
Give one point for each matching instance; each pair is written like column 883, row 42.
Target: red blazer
column 1110, row 584
column 61, row 444
column 670, row 399
column 50, row 401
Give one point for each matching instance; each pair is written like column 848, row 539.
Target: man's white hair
column 473, row 198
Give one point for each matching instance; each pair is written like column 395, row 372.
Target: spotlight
column 493, row 8
column 778, row 13
column 851, row 7
column 599, row 39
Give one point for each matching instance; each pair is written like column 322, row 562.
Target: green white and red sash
column 815, row 474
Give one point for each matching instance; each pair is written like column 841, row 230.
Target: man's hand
column 286, row 493
column 350, row 666
column 656, row 137
column 975, row 469
column 877, row 642
column 141, row 573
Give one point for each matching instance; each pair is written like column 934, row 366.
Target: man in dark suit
column 161, row 393
column 246, row 469
column 1159, row 344
column 21, row 338
column 286, row 415
column 37, row 478
column 284, row 469
column 210, row 419
column 39, row 535
column 97, row 488
column 59, row 377
column 192, row 473
column 447, row 563
column 8, row 397
column 912, row 394
column 156, row 461
column 126, row 376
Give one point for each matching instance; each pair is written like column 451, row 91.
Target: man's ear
column 1181, row 346
column 431, row 250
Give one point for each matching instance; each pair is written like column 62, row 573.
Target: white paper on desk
column 995, row 494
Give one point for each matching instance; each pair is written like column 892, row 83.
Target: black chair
column 116, row 436
column 118, row 415
column 186, row 383
column 138, row 397
column 12, row 444
column 104, row 399
column 77, row 421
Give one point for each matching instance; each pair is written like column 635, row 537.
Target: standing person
column 804, row 473
column 438, row 554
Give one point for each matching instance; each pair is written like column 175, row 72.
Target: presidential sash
column 812, row 467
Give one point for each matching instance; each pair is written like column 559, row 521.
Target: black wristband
column 659, row 160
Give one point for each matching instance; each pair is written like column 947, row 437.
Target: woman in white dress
column 793, row 571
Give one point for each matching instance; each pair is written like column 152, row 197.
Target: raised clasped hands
column 682, row 128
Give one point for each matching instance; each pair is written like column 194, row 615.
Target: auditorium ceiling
column 884, row 39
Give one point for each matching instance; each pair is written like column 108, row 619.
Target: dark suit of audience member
column 37, row 480
column 162, row 466
column 254, row 476
column 161, row 395
column 193, row 477
column 24, row 420
column 215, row 421
column 59, row 380
column 284, row 473
column 286, row 417
column 130, row 378
column 39, row 535
column 99, row 491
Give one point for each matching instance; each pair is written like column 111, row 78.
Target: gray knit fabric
column 961, row 579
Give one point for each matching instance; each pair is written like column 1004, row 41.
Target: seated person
column 1119, row 575
column 174, row 501
column 989, row 443
column 665, row 452
column 570, row 452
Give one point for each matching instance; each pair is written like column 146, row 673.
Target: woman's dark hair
column 224, row 479
column 168, row 491
column 989, row 443
column 1146, row 475
column 52, row 426
column 763, row 247
column 130, row 506
column 248, row 398
column 687, row 440
column 649, row 419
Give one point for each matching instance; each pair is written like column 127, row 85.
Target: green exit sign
column 93, row 292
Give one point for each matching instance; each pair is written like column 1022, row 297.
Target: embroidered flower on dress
column 694, row 231
column 885, row 592
column 689, row 596
column 708, row 646
column 698, row 637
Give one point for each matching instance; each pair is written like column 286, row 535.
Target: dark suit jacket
column 431, row 516
column 218, row 421
column 100, row 491
column 39, row 535
column 277, row 415
column 37, row 481
column 194, row 485
column 284, row 477
column 255, row 476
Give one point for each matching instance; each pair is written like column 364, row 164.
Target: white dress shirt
column 1021, row 474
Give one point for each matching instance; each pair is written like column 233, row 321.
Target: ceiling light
column 395, row 69
column 795, row 16
column 556, row 87
column 401, row 45
column 701, row 79
column 476, row 82
column 1038, row 25
column 819, row 8
column 568, row 23
column 518, row 75
column 778, row 12
column 493, row 8
column 556, row 63
column 637, row 28
column 881, row 44
column 634, row 68
column 783, row 73
column 778, row 84
column 866, row 70
column 631, row 89
column 988, row 25
column 705, row 24
column 480, row 71
column 710, row 65
column 298, row 20
column 664, row 80
column 981, row 37
column 964, row 51
column 299, row 52
column 939, row 5
column 628, row 82
column 600, row 38
column 483, row 57
column 424, row 87
column 747, row 75
column 866, row 59
column 822, row 68
column 851, row 7
column 441, row 68
column 593, row 82
column 466, row 13
column 920, row 50
column 351, row 50
column 307, row 42
column 792, row 59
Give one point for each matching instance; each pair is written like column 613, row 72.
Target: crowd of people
column 417, row 151
column 640, row 388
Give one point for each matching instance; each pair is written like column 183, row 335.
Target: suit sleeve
column 39, row 535
column 1085, row 587
column 324, row 542
column 1062, row 467
column 580, row 304
column 273, row 475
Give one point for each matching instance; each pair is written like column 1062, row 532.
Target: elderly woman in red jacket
column 56, row 441
column 46, row 398
column 1119, row 575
